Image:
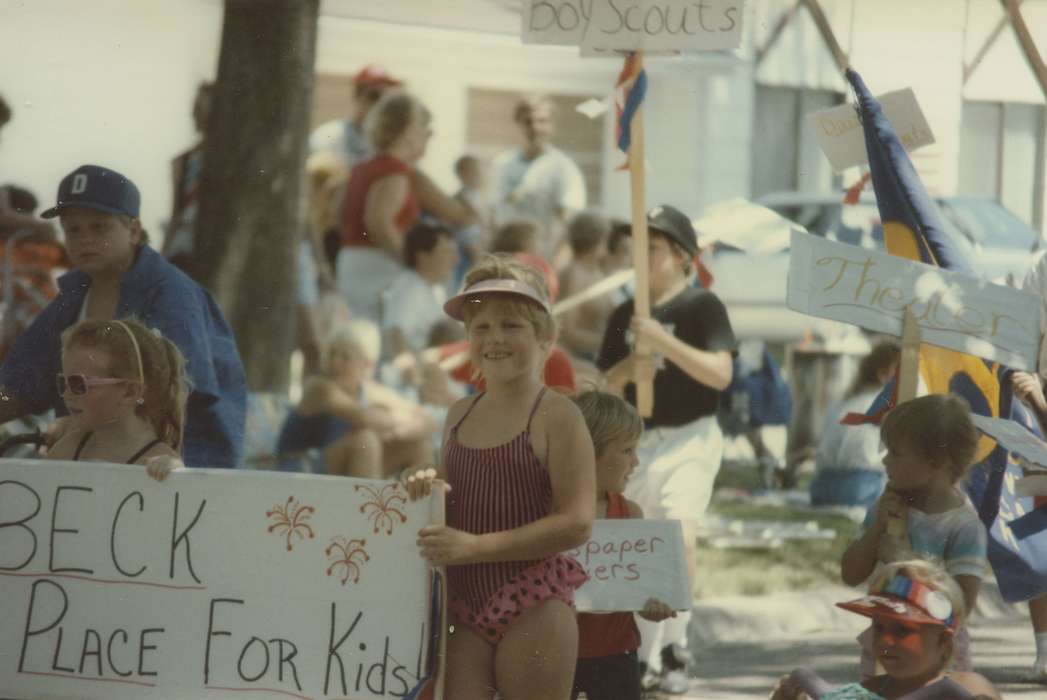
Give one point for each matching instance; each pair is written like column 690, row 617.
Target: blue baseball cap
column 95, row 187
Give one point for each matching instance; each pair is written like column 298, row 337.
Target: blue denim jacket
column 161, row 296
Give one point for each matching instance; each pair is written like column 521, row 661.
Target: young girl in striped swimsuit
column 125, row 389
column 520, row 466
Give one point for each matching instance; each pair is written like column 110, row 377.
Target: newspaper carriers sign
column 842, row 138
column 872, row 289
column 630, row 25
column 629, row 561
column 211, row 585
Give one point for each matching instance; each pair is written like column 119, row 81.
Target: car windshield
column 988, row 224
column 858, row 224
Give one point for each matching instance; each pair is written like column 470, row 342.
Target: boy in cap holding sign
column 680, row 453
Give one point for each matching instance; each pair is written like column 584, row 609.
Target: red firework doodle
column 346, row 554
column 290, row 520
column 384, row 506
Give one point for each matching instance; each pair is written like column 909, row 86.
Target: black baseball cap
column 671, row 223
column 95, row 187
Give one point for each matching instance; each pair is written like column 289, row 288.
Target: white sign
column 842, row 138
column 1014, row 437
column 657, row 25
column 629, row 561
column 213, row 584
column 872, row 289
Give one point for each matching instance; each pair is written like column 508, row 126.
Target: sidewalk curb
column 740, row 619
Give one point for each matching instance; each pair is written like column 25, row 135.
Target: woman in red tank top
column 520, row 466
column 384, row 197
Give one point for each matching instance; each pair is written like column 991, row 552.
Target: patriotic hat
column 906, row 600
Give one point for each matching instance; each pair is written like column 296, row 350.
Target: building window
column 1002, row 156
column 786, row 155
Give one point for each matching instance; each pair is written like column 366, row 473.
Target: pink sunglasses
column 80, row 384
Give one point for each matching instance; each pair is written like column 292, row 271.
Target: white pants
column 363, row 274
column 677, row 469
column 674, row 480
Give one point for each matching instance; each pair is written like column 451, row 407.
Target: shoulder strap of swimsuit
column 145, row 449
column 535, row 407
column 468, row 410
column 80, row 447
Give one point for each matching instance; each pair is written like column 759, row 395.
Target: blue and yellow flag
column 913, row 229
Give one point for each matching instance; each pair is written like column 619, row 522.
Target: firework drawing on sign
column 346, row 556
column 291, row 520
column 383, row 508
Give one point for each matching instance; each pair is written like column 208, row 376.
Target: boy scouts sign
column 212, row 584
column 633, row 25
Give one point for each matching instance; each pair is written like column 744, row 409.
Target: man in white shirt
column 538, row 181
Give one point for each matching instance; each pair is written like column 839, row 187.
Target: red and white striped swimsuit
column 495, row 489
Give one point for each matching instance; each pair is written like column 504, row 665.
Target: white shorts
column 363, row 274
column 677, row 468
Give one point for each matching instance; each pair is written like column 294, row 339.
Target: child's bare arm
column 969, row 585
column 713, row 368
column 859, row 559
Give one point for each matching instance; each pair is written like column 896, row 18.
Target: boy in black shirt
column 682, row 447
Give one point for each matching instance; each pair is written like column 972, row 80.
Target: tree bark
column 250, row 219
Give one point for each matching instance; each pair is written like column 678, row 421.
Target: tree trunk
column 250, row 218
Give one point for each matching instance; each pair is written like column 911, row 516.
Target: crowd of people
column 432, row 352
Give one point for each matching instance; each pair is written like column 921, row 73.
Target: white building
column 112, row 82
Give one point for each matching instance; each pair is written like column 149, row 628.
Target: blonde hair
column 502, row 267
column 389, row 118
column 934, row 576
column 358, row 336
column 938, row 427
column 608, row 418
column 139, row 354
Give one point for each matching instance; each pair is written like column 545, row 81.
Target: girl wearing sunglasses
column 125, row 388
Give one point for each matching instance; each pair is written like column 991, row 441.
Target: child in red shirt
column 607, row 667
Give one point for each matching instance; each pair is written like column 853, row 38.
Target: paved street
column 754, row 641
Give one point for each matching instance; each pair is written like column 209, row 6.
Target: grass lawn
column 795, row 565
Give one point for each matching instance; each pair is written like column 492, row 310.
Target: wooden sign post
column 909, row 364
column 638, row 201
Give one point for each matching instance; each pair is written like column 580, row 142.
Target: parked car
column 746, row 248
column 998, row 243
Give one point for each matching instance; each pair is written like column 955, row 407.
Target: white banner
column 629, row 561
column 872, row 289
column 212, row 585
column 842, row 138
column 655, row 25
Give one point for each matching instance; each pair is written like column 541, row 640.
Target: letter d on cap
column 79, row 183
